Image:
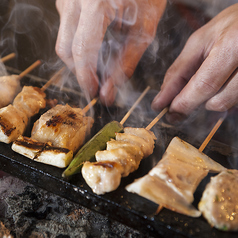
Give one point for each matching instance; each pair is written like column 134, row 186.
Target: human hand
column 83, row 25
column 205, row 73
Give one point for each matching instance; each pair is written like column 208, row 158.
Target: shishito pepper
column 96, row 143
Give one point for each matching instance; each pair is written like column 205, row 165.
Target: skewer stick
column 54, row 78
column 211, row 134
column 201, row 148
column 91, row 104
column 134, row 105
column 29, row 69
column 8, row 57
column 161, row 114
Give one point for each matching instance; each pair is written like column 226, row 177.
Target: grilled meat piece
column 9, row 88
column 63, row 126
column 13, row 123
column 119, row 159
column 30, row 100
column 14, row 118
column 140, row 137
column 102, row 177
column 219, row 202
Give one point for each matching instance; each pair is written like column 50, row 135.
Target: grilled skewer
column 14, row 117
column 10, row 85
column 172, row 182
column 56, row 136
column 121, row 157
column 98, row 141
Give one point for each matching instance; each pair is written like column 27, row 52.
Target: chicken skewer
column 98, row 141
column 56, row 136
column 10, row 85
column 14, row 117
column 61, row 127
column 121, row 157
column 172, row 182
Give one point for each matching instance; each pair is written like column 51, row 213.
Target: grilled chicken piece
column 128, row 156
column 9, row 88
column 140, row 137
column 121, row 158
column 13, row 123
column 177, row 174
column 63, row 126
column 42, row 152
column 219, row 202
column 30, row 100
column 14, row 118
column 102, row 177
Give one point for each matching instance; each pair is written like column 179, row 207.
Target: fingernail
column 155, row 104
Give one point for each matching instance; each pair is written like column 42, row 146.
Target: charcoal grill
column 127, row 208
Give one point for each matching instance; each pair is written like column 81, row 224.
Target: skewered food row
column 172, row 182
column 14, row 118
column 59, row 132
column 98, row 141
column 121, row 157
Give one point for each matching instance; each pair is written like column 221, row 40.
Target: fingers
column 206, row 82
column 138, row 28
column 227, row 97
column 69, row 18
column 184, row 94
column 180, row 73
column 94, row 20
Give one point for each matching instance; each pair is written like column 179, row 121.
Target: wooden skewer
column 91, row 104
column 54, row 78
column 29, row 69
column 134, row 105
column 211, row 134
column 8, row 57
column 201, row 148
column 161, row 114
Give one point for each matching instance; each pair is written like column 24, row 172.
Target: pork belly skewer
column 172, row 182
column 10, row 85
column 8, row 57
column 56, row 135
column 121, row 157
column 14, row 117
